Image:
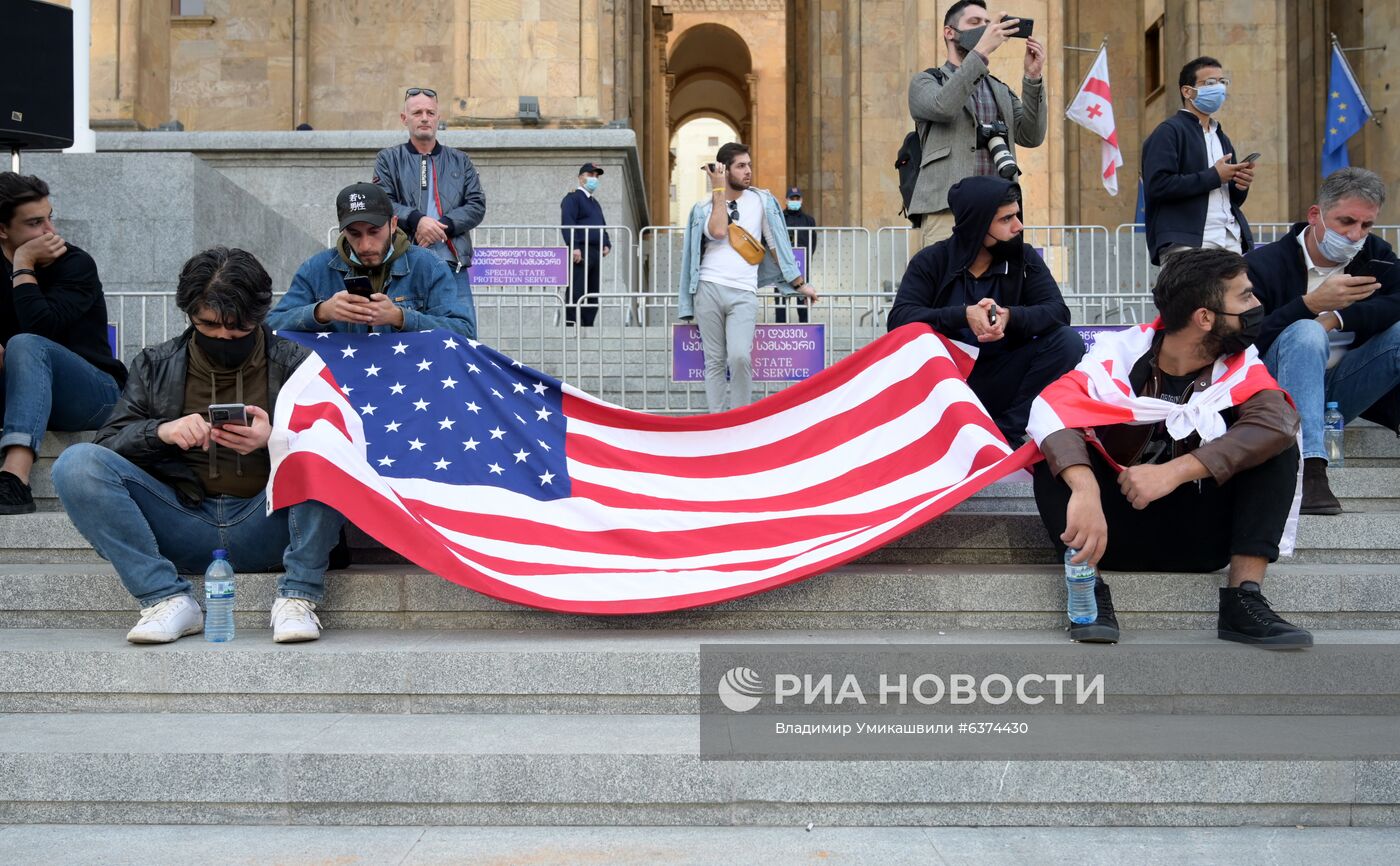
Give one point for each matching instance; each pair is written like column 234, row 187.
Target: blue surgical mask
column 1210, row 98
column 590, row 184
column 1337, row 247
column 794, row 205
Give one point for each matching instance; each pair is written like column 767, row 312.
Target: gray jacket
column 943, row 117
column 398, row 171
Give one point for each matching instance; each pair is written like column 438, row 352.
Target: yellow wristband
column 719, row 189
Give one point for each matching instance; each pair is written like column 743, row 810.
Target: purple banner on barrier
column 781, row 353
column 520, row 266
column 801, row 255
column 1090, row 333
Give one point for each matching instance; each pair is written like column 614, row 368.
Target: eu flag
column 1347, row 112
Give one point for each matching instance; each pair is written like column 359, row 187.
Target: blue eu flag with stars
column 1347, row 112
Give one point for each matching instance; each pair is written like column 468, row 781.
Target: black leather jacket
column 155, row 393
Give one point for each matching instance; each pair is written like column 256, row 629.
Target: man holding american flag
column 1171, row 448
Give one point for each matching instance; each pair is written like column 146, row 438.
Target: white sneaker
column 294, row 619
column 168, row 620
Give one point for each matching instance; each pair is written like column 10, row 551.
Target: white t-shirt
column 719, row 263
column 1338, row 340
column 1221, row 230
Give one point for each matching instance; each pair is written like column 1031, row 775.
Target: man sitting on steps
column 1194, row 457
column 162, row 488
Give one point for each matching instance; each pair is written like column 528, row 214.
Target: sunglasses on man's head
column 414, row 91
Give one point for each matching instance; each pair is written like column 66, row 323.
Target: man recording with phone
column 180, row 467
column 735, row 241
column 968, row 121
column 1193, row 187
column 373, row 279
column 1331, row 290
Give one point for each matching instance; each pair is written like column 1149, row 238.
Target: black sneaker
column 1105, row 628
column 1245, row 617
column 15, row 495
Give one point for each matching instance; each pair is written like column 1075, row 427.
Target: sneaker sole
column 1282, row 641
column 296, row 637
column 140, row 639
column 1096, row 636
column 19, row 509
column 1326, row 510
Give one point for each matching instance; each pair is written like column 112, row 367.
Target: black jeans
column 1007, row 381
column 1195, row 528
column 780, row 311
column 586, row 278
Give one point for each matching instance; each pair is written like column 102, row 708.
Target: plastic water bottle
column 1332, row 429
column 218, row 598
column 1079, row 583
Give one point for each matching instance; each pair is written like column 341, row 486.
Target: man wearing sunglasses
column 1194, row 186
column 736, row 240
column 436, row 191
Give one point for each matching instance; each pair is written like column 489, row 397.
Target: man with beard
column 373, row 279
column 1171, row 448
column 984, row 286
column 735, row 241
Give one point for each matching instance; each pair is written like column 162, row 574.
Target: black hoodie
column 928, row 293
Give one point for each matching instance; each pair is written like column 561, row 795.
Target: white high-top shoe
column 294, row 619
column 167, row 620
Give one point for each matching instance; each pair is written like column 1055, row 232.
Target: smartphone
column 992, row 317
column 1378, row 268
column 357, row 285
column 1253, row 157
column 221, row 414
column 710, row 166
column 1024, row 27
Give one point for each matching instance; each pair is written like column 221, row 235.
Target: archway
column 692, row 145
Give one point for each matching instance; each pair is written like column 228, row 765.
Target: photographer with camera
column 969, row 122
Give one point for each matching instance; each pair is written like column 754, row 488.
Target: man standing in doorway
column 436, row 192
column 730, row 246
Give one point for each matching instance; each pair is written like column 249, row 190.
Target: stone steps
column 336, row 768
column 115, row 845
column 929, row 597
column 604, row 672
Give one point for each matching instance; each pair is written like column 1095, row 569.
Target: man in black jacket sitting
column 1193, row 187
column 984, row 286
column 162, row 487
column 1332, row 334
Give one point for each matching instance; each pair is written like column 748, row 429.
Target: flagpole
column 1351, row 75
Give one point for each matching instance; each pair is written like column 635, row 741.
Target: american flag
column 506, row 480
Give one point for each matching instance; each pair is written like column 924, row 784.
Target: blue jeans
column 48, row 387
column 135, row 522
column 1298, row 360
column 464, row 297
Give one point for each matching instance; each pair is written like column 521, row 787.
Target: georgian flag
column 1097, row 393
column 1092, row 108
column 506, row 480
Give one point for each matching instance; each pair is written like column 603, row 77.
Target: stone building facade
column 818, row 87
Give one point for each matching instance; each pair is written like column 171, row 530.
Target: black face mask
column 968, row 39
column 1234, row 342
column 227, row 354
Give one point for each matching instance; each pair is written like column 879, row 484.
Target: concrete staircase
column 427, row 704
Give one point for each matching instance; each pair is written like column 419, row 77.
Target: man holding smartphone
column 1331, row 290
column 1193, row 187
column 373, row 279
column 949, row 104
column 180, row 467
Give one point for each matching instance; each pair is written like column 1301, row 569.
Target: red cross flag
column 1092, row 108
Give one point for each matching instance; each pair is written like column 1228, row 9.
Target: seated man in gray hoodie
column 373, row 279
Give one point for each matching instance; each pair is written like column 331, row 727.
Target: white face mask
column 1337, row 247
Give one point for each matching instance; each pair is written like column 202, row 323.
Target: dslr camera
column 992, row 136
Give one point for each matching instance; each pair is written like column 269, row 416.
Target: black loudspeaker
column 36, row 90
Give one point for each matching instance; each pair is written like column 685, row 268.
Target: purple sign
column 520, row 266
column 781, row 353
column 1090, row 333
column 801, row 255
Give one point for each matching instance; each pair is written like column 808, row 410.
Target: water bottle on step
column 218, row 599
column 1082, row 607
column 1333, row 428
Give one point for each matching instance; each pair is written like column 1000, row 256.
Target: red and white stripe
column 1097, row 393
column 670, row 512
column 1092, row 108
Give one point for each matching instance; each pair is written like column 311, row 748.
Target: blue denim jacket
column 419, row 282
column 779, row 266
